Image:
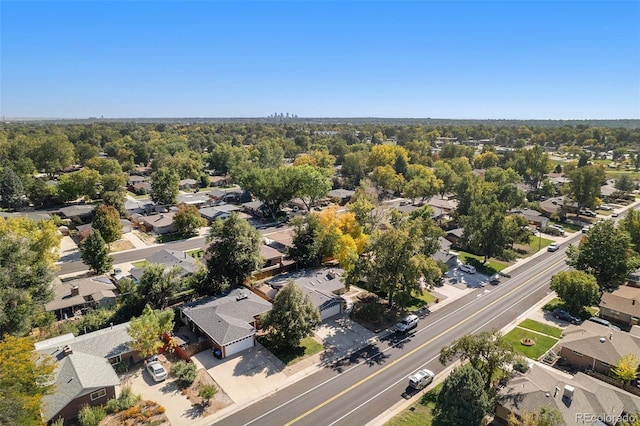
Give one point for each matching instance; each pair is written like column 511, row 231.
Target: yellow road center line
column 408, row 354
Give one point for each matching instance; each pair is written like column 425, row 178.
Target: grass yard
column 541, row 346
column 491, row 267
column 307, row 348
column 541, row 328
column 196, row 253
column 419, row 301
column 421, row 413
column 140, row 263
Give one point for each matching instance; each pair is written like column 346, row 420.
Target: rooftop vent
column 241, row 295
column 568, row 392
column 67, row 350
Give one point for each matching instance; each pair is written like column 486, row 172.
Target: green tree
column 115, row 199
column 462, row 400
column 83, row 183
column 158, row 285
column 188, row 220
column 396, row 261
column 577, row 289
column 624, row 183
column 626, row 369
column 487, row 352
column 532, row 164
column 24, row 379
column 312, row 184
column 95, row 253
column 484, row 229
column 423, row 186
column 147, row 329
column 53, row 154
column 185, row 371
column 631, row 223
column 11, row 189
column 306, row 248
column 26, row 272
column 292, row 317
column 106, row 220
column 354, row 167
column 605, row 252
column 445, row 173
column 274, row 187
column 225, row 157
column 113, row 182
column 232, row 255
column 164, row 186
column 585, row 183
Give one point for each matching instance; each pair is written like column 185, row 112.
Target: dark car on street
column 565, row 316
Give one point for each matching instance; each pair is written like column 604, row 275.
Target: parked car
column 586, row 229
column 559, row 228
column 614, row 214
column 407, row 323
column 606, row 207
column 553, row 246
column 494, row 280
column 157, row 371
column 421, row 379
column 565, row 316
column 604, row 322
column 469, row 269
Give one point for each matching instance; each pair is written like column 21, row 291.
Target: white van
column 469, row 269
column 407, row 323
column 421, row 379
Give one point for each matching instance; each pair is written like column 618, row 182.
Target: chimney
column 568, row 392
column 555, row 391
column 67, row 350
column 633, row 301
column 75, row 290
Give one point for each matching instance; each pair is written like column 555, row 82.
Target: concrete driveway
column 179, row 410
column 462, row 279
column 340, row 336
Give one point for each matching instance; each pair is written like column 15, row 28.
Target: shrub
column 128, row 399
column 521, row 365
column 91, row 416
column 551, row 231
column 207, row 392
column 112, row 406
column 185, row 371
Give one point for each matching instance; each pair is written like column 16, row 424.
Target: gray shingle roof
column 76, row 375
column 170, row 258
column 105, row 343
column 321, row 285
column 228, row 318
column 87, row 288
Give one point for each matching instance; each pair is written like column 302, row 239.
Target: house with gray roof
column 159, row 223
column 342, row 195
column 186, row 264
column 220, row 211
column 622, row 306
column 72, row 298
column 228, row 321
column 198, row 199
column 323, row 286
column 84, row 373
column 596, row 347
column 581, row 399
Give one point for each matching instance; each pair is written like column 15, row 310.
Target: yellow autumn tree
column 341, row 235
column 25, row 378
column 41, row 235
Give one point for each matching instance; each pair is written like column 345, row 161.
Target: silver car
column 157, row 371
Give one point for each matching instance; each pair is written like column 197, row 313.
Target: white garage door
column 330, row 311
column 239, row 346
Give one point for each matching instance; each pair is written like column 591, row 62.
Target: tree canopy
column 187, row 220
column 106, row 220
column 165, row 186
column 292, row 317
column 232, row 255
column 146, row 330
column 463, row 400
column 24, row 379
column 576, row 289
column 158, row 285
column 95, row 253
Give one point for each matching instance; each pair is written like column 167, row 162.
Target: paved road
column 360, row 388
column 139, row 254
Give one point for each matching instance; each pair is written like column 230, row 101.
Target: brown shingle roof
column 625, row 299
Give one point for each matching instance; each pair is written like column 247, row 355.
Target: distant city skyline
column 459, row 60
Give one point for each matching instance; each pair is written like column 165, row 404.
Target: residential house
column 633, row 279
column 159, row 223
column 84, row 373
column 595, row 347
column 454, row 235
column 533, row 217
column 86, row 229
column 186, row 264
column 79, row 212
column 197, row 199
column 621, row 306
column 142, row 207
column 72, row 298
column 218, row 180
column 323, row 286
column 581, row 399
column 223, row 194
column 141, row 188
column 342, row 196
column 133, row 180
column 220, row 211
column 188, row 184
column 255, row 208
column 449, row 258
column 229, row 322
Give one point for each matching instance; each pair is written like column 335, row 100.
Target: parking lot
column 462, row 280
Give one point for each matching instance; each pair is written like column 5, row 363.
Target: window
column 606, row 364
column 115, row 360
column 577, row 353
column 614, row 313
column 98, row 394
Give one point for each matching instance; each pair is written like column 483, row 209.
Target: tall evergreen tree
column 11, row 189
column 463, row 399
column 107, row 221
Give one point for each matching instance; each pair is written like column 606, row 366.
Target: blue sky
column 450, row 59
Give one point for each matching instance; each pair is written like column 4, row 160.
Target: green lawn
column 424, row 299
column 542, row 343
column 541, row 328
column 419, row 413
column 140, row 263
column 197, row 253
column 307, row 347
column 491, row 267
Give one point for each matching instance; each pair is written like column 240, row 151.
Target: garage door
column 330, row 311
column 239, row 346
